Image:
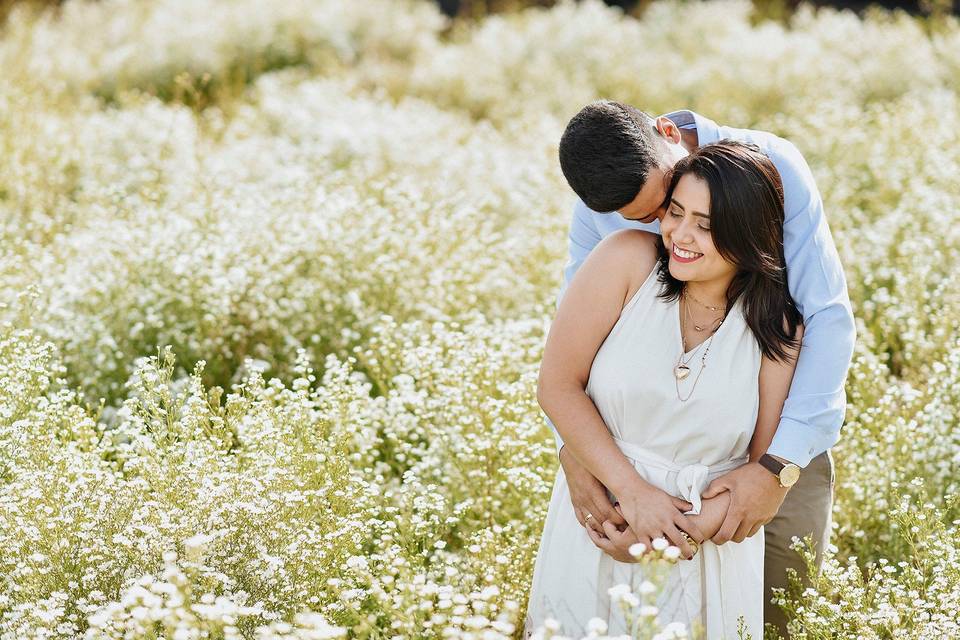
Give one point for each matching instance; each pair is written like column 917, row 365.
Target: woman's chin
column 678, row 272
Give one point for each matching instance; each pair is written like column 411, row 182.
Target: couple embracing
column 693, row 373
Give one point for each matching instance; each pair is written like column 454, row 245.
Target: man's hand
column 588, row 496
column 755, row 498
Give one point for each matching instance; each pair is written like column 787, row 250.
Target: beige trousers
column 805, row 511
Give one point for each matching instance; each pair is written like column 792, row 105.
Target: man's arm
column 814, row 411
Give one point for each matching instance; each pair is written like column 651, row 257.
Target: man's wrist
column 776, row 477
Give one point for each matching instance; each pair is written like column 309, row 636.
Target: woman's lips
column 680, row 258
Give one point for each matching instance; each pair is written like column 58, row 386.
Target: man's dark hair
column 606, row 153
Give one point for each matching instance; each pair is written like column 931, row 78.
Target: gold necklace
column 698, row 327
column 687, row 293
column 681, row 371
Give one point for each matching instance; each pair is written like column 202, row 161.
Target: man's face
column 650, row 203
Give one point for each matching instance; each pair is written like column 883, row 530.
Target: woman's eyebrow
column 696, row 213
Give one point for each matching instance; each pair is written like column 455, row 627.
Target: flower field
column 275, row 279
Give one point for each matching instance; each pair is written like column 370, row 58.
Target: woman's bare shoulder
column 633, row 251
column 632, row 242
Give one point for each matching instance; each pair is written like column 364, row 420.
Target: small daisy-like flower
column 618, row 590
column 597, row 626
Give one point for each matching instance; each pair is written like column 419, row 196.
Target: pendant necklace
column 682, row 370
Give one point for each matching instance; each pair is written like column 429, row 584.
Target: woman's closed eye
column 676, row 214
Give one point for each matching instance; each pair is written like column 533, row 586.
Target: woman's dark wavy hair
column 746, row 223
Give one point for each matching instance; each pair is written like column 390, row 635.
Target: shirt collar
column 707, row 130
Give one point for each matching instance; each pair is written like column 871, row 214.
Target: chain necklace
column 687, row 293
column 682, row 370
column 698, row 327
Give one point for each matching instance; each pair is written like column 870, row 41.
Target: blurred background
column 775, row 9
column 763, row 7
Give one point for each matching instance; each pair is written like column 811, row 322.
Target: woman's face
column 686, row 234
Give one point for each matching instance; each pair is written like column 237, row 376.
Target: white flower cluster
column 147, row 44
column 169, row 604
column 275, row 279
column 917, row 595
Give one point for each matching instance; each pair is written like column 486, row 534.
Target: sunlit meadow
column 275, row 279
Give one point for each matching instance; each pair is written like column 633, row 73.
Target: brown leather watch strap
column 772, row 464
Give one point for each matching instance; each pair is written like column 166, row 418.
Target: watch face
column 789, row 475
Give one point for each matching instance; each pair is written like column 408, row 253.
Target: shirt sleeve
column 583, row 238
column 814, row 410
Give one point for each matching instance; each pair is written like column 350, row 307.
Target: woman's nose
column 684, row 230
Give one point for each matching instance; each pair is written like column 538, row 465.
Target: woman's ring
column 693, row 543
column 587, row 517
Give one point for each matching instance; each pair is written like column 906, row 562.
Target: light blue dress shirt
column 813, row 413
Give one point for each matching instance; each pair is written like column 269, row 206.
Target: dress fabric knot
column 691, row 480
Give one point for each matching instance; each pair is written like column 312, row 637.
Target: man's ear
column 669, row 130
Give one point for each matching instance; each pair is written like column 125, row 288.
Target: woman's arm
column 774, row 381
column 589, row 309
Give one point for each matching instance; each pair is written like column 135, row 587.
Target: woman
column 684, row 346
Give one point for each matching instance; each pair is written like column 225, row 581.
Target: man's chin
column 644, row 220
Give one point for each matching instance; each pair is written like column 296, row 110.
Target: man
column 618, row 161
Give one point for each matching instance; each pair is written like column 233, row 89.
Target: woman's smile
column 685, row 256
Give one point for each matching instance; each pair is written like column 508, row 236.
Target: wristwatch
column 787, row 474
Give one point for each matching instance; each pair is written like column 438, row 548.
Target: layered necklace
column 682, row 369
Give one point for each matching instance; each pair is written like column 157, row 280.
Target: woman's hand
column 707, row 522
column 588, row 496
column 650, row 513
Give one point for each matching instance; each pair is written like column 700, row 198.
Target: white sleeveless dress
column 677, row 446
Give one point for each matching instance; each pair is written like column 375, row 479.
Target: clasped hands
column 734, row 507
